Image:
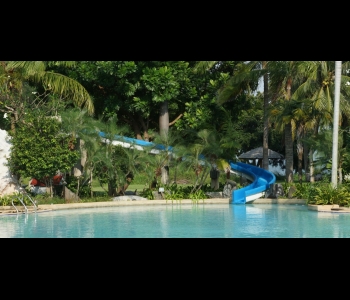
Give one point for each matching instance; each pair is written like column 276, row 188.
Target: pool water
column 179, row 221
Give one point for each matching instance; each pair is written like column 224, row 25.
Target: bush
column 326, row 194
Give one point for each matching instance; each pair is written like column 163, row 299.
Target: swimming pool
column 179, row 221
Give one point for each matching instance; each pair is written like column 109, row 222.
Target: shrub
column 327, row 194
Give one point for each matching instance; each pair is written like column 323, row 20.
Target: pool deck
column 9, row 210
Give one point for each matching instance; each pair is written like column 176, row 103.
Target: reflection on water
column 179, row 220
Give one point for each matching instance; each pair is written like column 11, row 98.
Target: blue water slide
column 136, row 142
column 261, row 181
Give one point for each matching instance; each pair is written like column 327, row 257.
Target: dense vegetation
column 204, row 109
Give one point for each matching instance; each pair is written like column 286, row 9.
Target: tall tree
column 282, row 75
column 319, row 86
column 245, row 79
column 265, row 161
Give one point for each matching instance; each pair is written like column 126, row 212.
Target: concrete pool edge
column 165, row 202
column 50, row 207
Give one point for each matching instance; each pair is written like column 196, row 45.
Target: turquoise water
column 179, row 221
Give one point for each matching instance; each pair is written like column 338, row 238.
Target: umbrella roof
column 258, row 153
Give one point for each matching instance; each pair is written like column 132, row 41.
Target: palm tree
column 167, row 140
column 111, row 161
column 282, row 77
column 197, row 152
column 245, row 80
column 36, row 72
column 302, row 118
column 265, row 161
column 81, row 129
column 319, row 88
column 336, row 122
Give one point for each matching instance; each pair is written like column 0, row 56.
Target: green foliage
column 321, row 193
column 40, row 72
column 111, row 163
column 174, row 192
column 47, row 199
column 5, row 200
column 304, row 190
column 15, row 198
column 198, row 195
column 161, row 82
column 134, row 90
column 327, row 194
column 147, row 193
column 39, row 149
column 178, row 192
column 75, row 182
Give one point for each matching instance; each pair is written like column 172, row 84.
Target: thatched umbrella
column 257, row 153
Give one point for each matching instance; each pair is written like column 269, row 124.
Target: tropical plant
column 284, row 79
column 164, row 145
column 327, row 194
column 147, row 193
column 197, row 195
column 199, row 154
column 42, row 72
column 318, row 87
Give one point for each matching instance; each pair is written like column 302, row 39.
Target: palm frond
column 202, row 66
column 68, row 64
column 27, row 68
column 67, row 87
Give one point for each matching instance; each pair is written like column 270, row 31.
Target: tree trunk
column 14, row 120
column 311, row 163
column 79, row 166
column 289, row 152
column 163, row 131
column 300, row 160
column 136, row 129
column 78, row 187
column 13, row 125
column 164, row 118
column 112, row 189
column 306, row 159
column 165, row 175
column 300, row 151
column 265, row 163
column 289, row 138
column 144, row 127
column 335, row 146
column 91, row 191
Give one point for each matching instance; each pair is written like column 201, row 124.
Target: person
column 228, row 172
column 214, row 176
column 230, row 185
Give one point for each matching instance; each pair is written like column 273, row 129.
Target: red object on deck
column 57, row 179
column 36, row 182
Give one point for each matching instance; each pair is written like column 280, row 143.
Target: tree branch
column 176, row 119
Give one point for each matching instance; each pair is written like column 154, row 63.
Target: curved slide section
column 261, row 181
column 127, row 142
